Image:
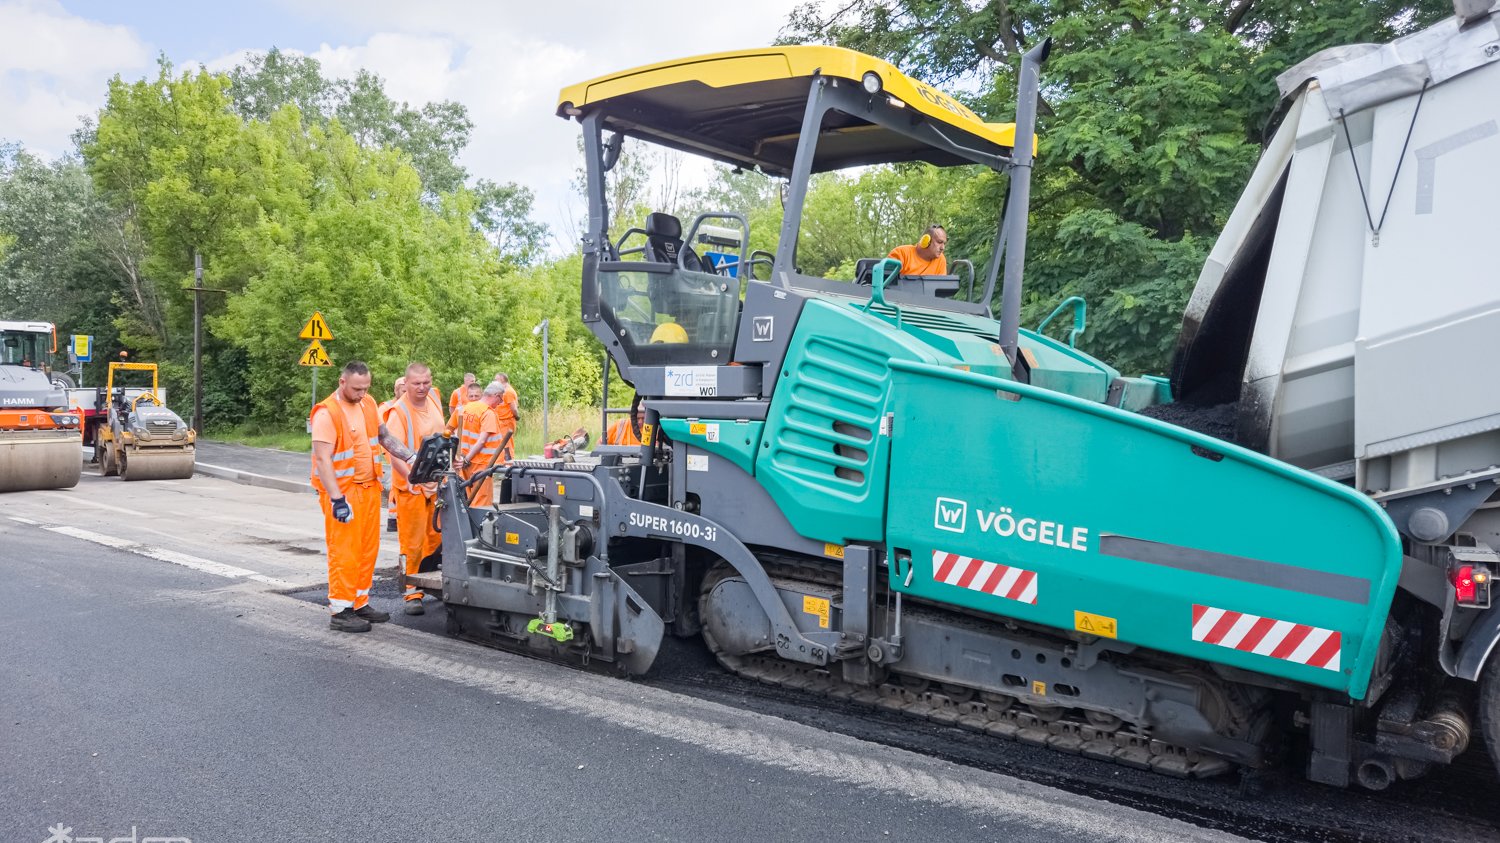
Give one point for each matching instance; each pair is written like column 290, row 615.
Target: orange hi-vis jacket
column 503, row 413
column 479, row 421
column 913, row 263
column 346, row 450
column 413, row 432
column 621, row 433
column 457, row 399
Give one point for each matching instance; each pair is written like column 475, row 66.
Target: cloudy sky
column 505, row 60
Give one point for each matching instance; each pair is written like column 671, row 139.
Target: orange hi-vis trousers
column 486, row 494
column 414, row 532
column 352, row 547
column 508, row 426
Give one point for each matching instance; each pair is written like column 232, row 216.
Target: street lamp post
column 543, row 330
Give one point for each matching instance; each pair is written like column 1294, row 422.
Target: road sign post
column 80, row 351
column 315, row 355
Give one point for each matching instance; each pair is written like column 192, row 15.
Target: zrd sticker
column 833, row 551
column 694, row 381
column 512, row 538
column 697, row 462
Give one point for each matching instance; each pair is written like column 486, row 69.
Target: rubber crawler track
column 1058, row 728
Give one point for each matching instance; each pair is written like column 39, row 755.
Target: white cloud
column 53, row 69
column 507, row 61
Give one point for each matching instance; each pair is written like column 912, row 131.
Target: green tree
column 1151, row 121
column 345, row 230
column 57, row 265
column 167, row 158
column 432, row 136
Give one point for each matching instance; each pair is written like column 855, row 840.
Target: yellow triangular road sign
column 316, row 328
column 314, row 355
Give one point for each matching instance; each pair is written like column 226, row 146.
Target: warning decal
column 1293, row 642
column 989, row 577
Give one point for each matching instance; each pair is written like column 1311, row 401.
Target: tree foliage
column 1151, row 121
column 432, row 136
column 290, row 214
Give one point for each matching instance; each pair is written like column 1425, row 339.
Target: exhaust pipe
column 1375, row 774
column 1019, row 204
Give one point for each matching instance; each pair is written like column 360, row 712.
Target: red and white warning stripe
column 988, row 577
column 1293, row 642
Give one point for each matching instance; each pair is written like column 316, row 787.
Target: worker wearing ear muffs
column 925, row 257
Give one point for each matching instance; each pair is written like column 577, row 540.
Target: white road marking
column 196, row 563
column 73, row 498
column 271, row 581
column 91, row 536
column 161, row 554
column 831, row 757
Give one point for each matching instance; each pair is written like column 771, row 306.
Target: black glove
column 341, row 511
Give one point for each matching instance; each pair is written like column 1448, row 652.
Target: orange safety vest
column 503, row 411
column 621, row 433
column 343, row 443
column 397, row 482
column 473, row 424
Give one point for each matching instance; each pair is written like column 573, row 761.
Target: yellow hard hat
column 669, row 332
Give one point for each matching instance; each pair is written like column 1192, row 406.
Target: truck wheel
column 1489, row 705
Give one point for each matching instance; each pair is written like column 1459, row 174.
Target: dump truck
column 39, row 433
column 141, row 439
column 1100, row 569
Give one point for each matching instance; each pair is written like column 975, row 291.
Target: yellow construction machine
column 142, row 439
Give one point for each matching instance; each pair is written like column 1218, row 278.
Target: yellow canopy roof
column 746, row 107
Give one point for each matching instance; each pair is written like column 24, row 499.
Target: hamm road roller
column 40, row 435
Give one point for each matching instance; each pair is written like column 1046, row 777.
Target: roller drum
column 39, row 459
column 156, row 464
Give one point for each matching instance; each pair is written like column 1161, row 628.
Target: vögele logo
column 951, row 515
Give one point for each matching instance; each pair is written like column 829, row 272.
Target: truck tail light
column 1471, row 585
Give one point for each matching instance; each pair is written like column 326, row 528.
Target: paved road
column 143, row 690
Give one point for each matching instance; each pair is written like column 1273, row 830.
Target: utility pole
column 543, row 330
column 198, row 291
column 197, row 343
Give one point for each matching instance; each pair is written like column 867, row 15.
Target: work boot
column 414, row 607
column 372, row 614
column 347, row 621
column 390, row 524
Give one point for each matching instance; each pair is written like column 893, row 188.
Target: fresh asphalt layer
column 141, row 695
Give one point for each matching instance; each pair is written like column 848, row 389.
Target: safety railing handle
column 687, row 242
column 1080, row 318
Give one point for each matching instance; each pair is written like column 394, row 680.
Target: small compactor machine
column 142, row 439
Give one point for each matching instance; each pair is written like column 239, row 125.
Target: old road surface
column 166, row 672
